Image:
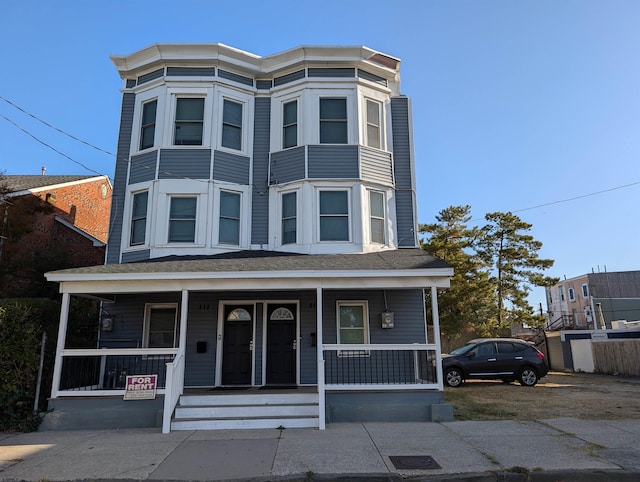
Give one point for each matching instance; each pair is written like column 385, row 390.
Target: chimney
column 44, row 169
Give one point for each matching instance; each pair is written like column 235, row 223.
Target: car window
column 486, row 349
column 462, row 349
column 507, row 347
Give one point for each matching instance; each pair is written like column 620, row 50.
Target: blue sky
column 516, row 104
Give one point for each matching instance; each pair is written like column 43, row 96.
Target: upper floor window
column 572, row 294
column 229, row 218
column 232, row 125
column 333, row 121
column 561, row 293
column 290, row 124
column 373, row 130
column 377, row 221
column 148, row 128
column 160, row 326
column 289, row 218
column 585, row 290
column 182, row 219
column 139, row 218
column 189, row 121
column 334, row 216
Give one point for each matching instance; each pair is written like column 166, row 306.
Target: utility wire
column 54, row 127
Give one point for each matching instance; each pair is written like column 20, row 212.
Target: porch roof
column 401, row 268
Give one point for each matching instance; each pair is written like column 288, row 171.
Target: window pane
column 232, row 137
column 289, row 231
column 373, row 113
column 332, row 132
column 182, row 231
column 189, row 117
column 188, row 134
column 377, row 204
column 229, row 231
column 148, row 136
column 334, row 229
column 290, row 113
column 148, row 124
column 334, row 202
column 140, row 204
column 377, row 231
column 138, row 230
column 190, row 109
column 182, row 220
column 352, row 337
column 230, row 204
column 333, row 109
column 162, row 328
column 183, row 208
column 289, row 205
column 232, row 113
column 352, row 316
column 290, row 136
column 139, row 218
column 373, row 136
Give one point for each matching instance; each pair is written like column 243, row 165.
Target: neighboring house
column 264, row 260
column 594, row 300
column 50, row 222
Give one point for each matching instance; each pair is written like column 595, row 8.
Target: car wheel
column 453, row 377
column 528, row 377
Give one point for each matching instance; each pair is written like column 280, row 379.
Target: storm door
column 237, row 345
column 281, row 344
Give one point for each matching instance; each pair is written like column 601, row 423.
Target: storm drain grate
column 414, row 462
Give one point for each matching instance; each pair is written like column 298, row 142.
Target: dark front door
column 281, row 344
column 237, row 345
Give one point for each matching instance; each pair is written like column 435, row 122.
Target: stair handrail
column 173, row 389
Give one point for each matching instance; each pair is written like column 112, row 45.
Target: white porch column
column 436, row 335
column 319, row 342
column 62, row 336
column 184, row 309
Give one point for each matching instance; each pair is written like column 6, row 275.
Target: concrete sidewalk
column 545, row 450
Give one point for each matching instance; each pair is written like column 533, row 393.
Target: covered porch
column 286, row 314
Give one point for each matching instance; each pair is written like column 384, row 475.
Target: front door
column 281, row 344
column 237, row 345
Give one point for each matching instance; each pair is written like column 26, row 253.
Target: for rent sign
column 141, row 387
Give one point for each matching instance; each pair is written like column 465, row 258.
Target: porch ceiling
column 259, row 270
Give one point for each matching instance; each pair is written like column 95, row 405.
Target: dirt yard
column 576, row 395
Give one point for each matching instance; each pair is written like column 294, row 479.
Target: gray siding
column 376, row 165
column 334, row 72
column 120, row 178
column 402, row 155
column 191, row 71
column 185, row 163
column 288, row 165
column 285, row 79
column 333, row 161
column 241, row 79
column 156, row 74
column 230, row 167
column 133, row 256
column 130, row 83
column 143, row 167
column 621, row 284
column 260, row 198
column 372, row 77
column 263, row 84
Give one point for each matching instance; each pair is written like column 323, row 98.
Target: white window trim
column 279, row 238
column 128, row 218
column 196, row 219
column 245, row 215
column 219, row 217
column 385, row 219
column 222, row 94
column 366, row 330
column 320, row 189
column 169, row 126
column 277, row 118
column 297, row 124
column 572, row 294
column 147, row 320
column 365, row 123
column 312, row 113
column 585, row 291
column 156, row 93
column 147, row 220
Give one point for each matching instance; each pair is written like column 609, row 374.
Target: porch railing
column 99, row 372
column 174, row 388
column 381, row 367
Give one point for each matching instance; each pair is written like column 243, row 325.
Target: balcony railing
column 104, row 371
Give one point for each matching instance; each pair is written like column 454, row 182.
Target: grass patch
column 466, row 407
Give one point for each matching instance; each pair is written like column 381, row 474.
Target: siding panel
column 363, row 74
column 156, row 74
column 191, row 71
column 260, row 198
column 230, row 167
column 120, row 178
column 333, row 72
column 143, row 167
column 285, row 79
column 376, row 165
column 333, row 162
column 185, row 163
column 133, row 256
column 241, row 79
column 288, row 165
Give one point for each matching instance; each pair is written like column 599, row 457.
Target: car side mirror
column 471, row 355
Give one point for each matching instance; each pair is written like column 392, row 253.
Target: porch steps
column 270, row 410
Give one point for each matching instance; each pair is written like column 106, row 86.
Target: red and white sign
column 141, row 387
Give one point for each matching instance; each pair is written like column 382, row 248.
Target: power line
column 55, row 128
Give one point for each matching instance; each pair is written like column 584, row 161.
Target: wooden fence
column 620, row 357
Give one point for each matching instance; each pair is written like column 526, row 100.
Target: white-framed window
column 373, row 130
column 229, row 222
column 182, row 219
column 334, row 215
column 139, row 206
column 561, row 290
column 148, row 124
column 160, row 325
column 232, row 116
column 352, row 325
column 585, row 290
column 572, row 294
column 290, row 124
column 289, row 218
column 333, row 120
column 189, row 121
column 377, row 217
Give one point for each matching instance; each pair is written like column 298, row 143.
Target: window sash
column 229, row 223
column 161, row 327
column 139, row 218
column 290, row 124
column 353, row 325
column 333, row 121
column 334, row 216
column 377, row 218
column 148, row 128
column 289, row 218
column 232, row 125
column 182, row 219
column 373, row 124
column 189, row 122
